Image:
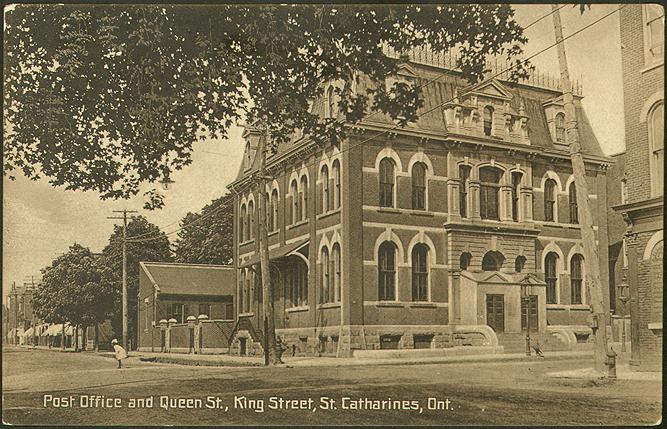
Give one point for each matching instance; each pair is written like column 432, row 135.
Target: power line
column 395, row 127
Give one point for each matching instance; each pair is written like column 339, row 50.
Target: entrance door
column 534, row 326
column 242, row 346
column 495, row 312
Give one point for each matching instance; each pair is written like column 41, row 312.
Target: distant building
column 421, row 238
column 176, row 291
column 20, row 315
column 642, row 43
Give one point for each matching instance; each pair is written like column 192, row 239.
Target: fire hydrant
column 611, row 363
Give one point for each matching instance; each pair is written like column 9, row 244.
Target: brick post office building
column 422, row 237
column 642, row 39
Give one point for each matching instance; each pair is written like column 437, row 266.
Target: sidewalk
column 311, row 361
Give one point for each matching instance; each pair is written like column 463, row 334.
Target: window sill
column 576, row 307
column 328, row 305
column 388, row 210
column 390, row 304
column 329, row 213
column 245, row 243
column 272, row 233
column 656, row 326
column 422, row 304
column 421, row 213
column 652, row 66
column 251, row 314
column 298, row 224
column 297, row 309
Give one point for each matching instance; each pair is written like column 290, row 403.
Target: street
column 46, row 387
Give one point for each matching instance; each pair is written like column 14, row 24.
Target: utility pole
column 124, row 218
column 269, row 325
column 593, row 279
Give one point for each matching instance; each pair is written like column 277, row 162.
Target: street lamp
column 166, row 182
column 526, row 289
column 624, row 299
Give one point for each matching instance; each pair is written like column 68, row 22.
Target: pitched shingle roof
column 191, row 279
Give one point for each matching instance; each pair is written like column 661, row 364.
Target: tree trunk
column 62, row 346
column 593, row 279
column 76, row 338
column 96, row 347
column 84, row 340
column 267, row 292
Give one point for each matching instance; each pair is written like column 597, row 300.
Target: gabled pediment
column 405, row 70
column 492, row 89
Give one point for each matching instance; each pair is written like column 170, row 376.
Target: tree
column 73, row 290
column 207, row 237
column 145, row 243
column 125, row 90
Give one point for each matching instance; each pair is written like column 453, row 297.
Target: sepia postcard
column 332, row 214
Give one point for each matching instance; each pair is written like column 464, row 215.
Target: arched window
column 325, row 285
column 549, row 200
column 489, row 178
column 420, row 273
column 654, row 40
column 492, row 261
column 296, row 214
column 335, row 254
column 387, row 271
column 519, row 263
column 331, row 102
column 516, row 184
column 550, row 276
column 657, row 148
column 304, row 198
column 464, row 175
column 249, row 280
column 488, row 120
column 336, row 173
column 576, row 278
column 269, row 213
column 324, row 178
column 465, row 260
column 243, row 219
column 419, row 186
column 574, row 210
column 274, row 210
column 251, row 220
column 559, row 122
column 386, row 182
column 297, row 281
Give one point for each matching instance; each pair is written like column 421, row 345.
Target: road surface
column 46, row 387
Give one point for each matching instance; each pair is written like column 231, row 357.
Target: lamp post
column 526, row 289
column 624, row 299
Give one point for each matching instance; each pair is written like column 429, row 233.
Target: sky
column 40, row 222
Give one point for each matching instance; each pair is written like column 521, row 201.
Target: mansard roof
column 440, row 87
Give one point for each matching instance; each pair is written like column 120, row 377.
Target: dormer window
column 560, row 128
column 488, row 120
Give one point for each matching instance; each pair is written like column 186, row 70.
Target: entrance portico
column 494, row 299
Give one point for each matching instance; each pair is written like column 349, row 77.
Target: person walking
column 119, row 351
